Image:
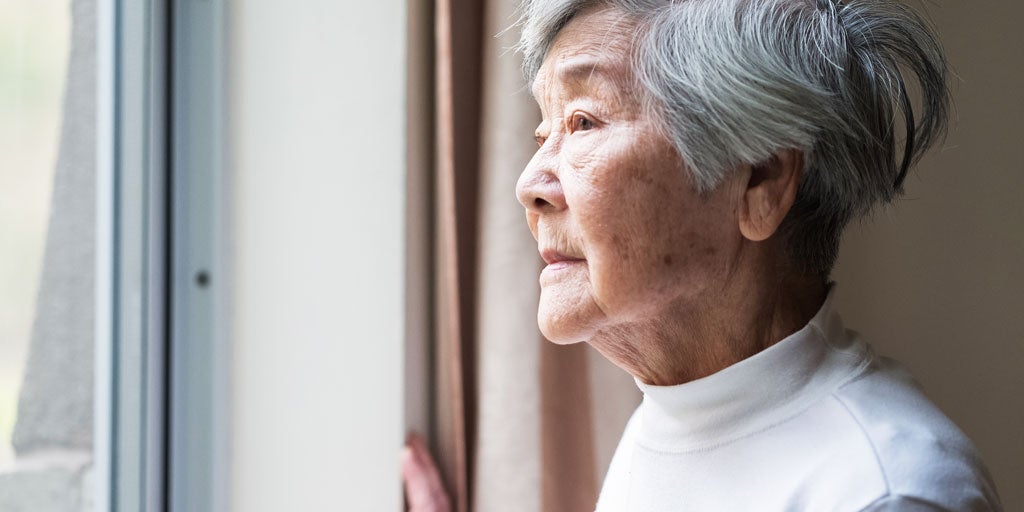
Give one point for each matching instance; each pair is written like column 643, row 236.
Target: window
column 47, row 220
column 82, row 342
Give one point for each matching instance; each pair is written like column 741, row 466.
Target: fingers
column 423, row 485
column 422, row 458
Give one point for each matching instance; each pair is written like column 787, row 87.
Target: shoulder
column 924, row 459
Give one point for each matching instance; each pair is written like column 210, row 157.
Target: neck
column 686, row 341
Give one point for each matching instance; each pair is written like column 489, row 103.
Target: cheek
column 531, row 222
column 650, row 239
column 630, row 226
column 663, row 262
column 696, row 252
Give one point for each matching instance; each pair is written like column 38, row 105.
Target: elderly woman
column 697, row 163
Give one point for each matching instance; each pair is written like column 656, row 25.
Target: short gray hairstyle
column 733, row 82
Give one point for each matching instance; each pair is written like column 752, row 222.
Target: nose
column 539, row 190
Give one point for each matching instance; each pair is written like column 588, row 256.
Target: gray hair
column 735, row 81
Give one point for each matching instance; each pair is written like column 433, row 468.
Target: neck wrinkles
column 756, row 392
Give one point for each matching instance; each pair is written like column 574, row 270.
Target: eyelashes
column 580, row 122
column 577, row 122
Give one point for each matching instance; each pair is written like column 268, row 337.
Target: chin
column 567, row 313
column 561, row 328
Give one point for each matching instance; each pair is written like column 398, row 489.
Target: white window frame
column 166, row 357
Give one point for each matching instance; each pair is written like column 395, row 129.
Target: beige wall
column 938, row 281
column 317, row 117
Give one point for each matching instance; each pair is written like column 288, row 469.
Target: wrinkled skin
column 606, row 187
column 668, row 284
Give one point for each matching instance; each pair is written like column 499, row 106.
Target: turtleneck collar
column 756, row 393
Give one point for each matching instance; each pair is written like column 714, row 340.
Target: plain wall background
column 317, row 125
column 937, row 281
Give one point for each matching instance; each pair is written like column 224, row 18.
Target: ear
column 769, row 194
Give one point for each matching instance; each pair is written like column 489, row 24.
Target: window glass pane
column 47, row 232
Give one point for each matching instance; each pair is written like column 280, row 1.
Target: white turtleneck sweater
column 814, row 423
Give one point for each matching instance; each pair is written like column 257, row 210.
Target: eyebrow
column 578, row 70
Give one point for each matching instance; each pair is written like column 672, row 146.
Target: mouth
column 553, row 257
column 557, row 263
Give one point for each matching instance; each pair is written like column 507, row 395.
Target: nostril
column 540, row 191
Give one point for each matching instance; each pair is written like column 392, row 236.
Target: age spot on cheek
column 668, row 260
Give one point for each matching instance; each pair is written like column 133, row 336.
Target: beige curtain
column 520, row 424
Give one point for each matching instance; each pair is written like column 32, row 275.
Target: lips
column 552, row 256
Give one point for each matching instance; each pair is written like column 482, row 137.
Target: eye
column 580, row 122
column 540, row 134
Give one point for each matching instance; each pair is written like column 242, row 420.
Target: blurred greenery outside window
column 47, row 233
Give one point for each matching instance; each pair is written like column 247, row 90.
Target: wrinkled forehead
column 581, row 72
column 593, row 47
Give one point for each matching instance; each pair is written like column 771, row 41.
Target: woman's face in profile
column 625, row 236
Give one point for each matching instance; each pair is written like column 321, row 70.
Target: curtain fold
column 457, row 25
column 508, row 469
column 518, row 425
column 568, row 480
